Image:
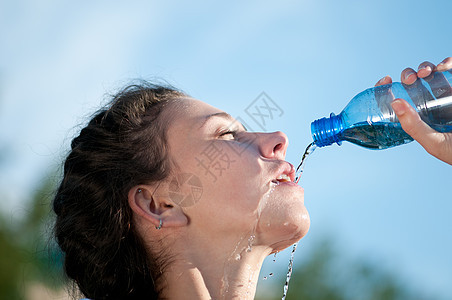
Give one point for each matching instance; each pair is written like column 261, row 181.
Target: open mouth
column 281, row 178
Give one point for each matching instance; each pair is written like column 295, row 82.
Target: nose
column 273, row 145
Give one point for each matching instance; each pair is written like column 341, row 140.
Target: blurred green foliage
column 27, row 252
column 327, row 275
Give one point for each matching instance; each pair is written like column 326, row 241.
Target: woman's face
column 229, row 181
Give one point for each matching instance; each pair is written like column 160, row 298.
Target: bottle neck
column 325, row 131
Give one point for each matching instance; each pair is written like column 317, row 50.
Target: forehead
column 189, row 112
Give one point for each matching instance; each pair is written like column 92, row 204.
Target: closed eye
column 228, row 134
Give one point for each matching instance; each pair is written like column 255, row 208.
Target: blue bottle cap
column 325, row 131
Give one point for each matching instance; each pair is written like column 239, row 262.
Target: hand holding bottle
column 436, row 143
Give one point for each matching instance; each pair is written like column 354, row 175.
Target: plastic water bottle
column 369, row 121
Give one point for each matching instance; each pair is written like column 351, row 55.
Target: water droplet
column 250, row 243
column 271, row 274
column 265, row 277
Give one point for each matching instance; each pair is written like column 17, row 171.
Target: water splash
column 309, row 149
column 260, row 207
column 241, row 248
column 236, row 255
column 250, row 243
column 289, row 272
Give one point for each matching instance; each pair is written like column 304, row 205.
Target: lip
column 289, row 186
column 288, row 169
column 288, row 183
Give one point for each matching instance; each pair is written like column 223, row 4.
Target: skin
column 215, row 245
column 436, row 143
column 219, row 241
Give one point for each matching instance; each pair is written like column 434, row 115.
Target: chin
column 293, row 231
column 286, row 226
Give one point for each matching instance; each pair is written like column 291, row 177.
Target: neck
column 215, row 272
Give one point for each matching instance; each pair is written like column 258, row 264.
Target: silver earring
column 139, row 191
column 160, row 224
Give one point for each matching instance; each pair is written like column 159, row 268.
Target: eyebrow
column 222, row 114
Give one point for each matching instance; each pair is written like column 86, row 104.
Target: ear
column 154, row 208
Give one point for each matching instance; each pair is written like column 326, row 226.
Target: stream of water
column 309, row 149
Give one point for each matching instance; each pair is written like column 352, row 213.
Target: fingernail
column 381, row 80
column 408, row 74
column 398, row 107
column 425, row 67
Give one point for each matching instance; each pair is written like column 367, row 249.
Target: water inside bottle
column 378, row 135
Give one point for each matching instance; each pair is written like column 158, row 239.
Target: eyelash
column 229, row 132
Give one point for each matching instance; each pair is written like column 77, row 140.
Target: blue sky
column 59, row 59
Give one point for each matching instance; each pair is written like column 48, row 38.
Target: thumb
column 412, row 124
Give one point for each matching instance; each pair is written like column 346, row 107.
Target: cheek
column 244, row 183
column 230, row 175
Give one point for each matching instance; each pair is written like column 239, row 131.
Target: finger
column 416, row 128
column 445, row 65
column 384, row 80
column 408, row 76
column 417, row 92
column 425, row 69
column 437, row 81
column 439, row 85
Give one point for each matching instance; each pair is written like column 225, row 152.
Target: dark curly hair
column 123, row 145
